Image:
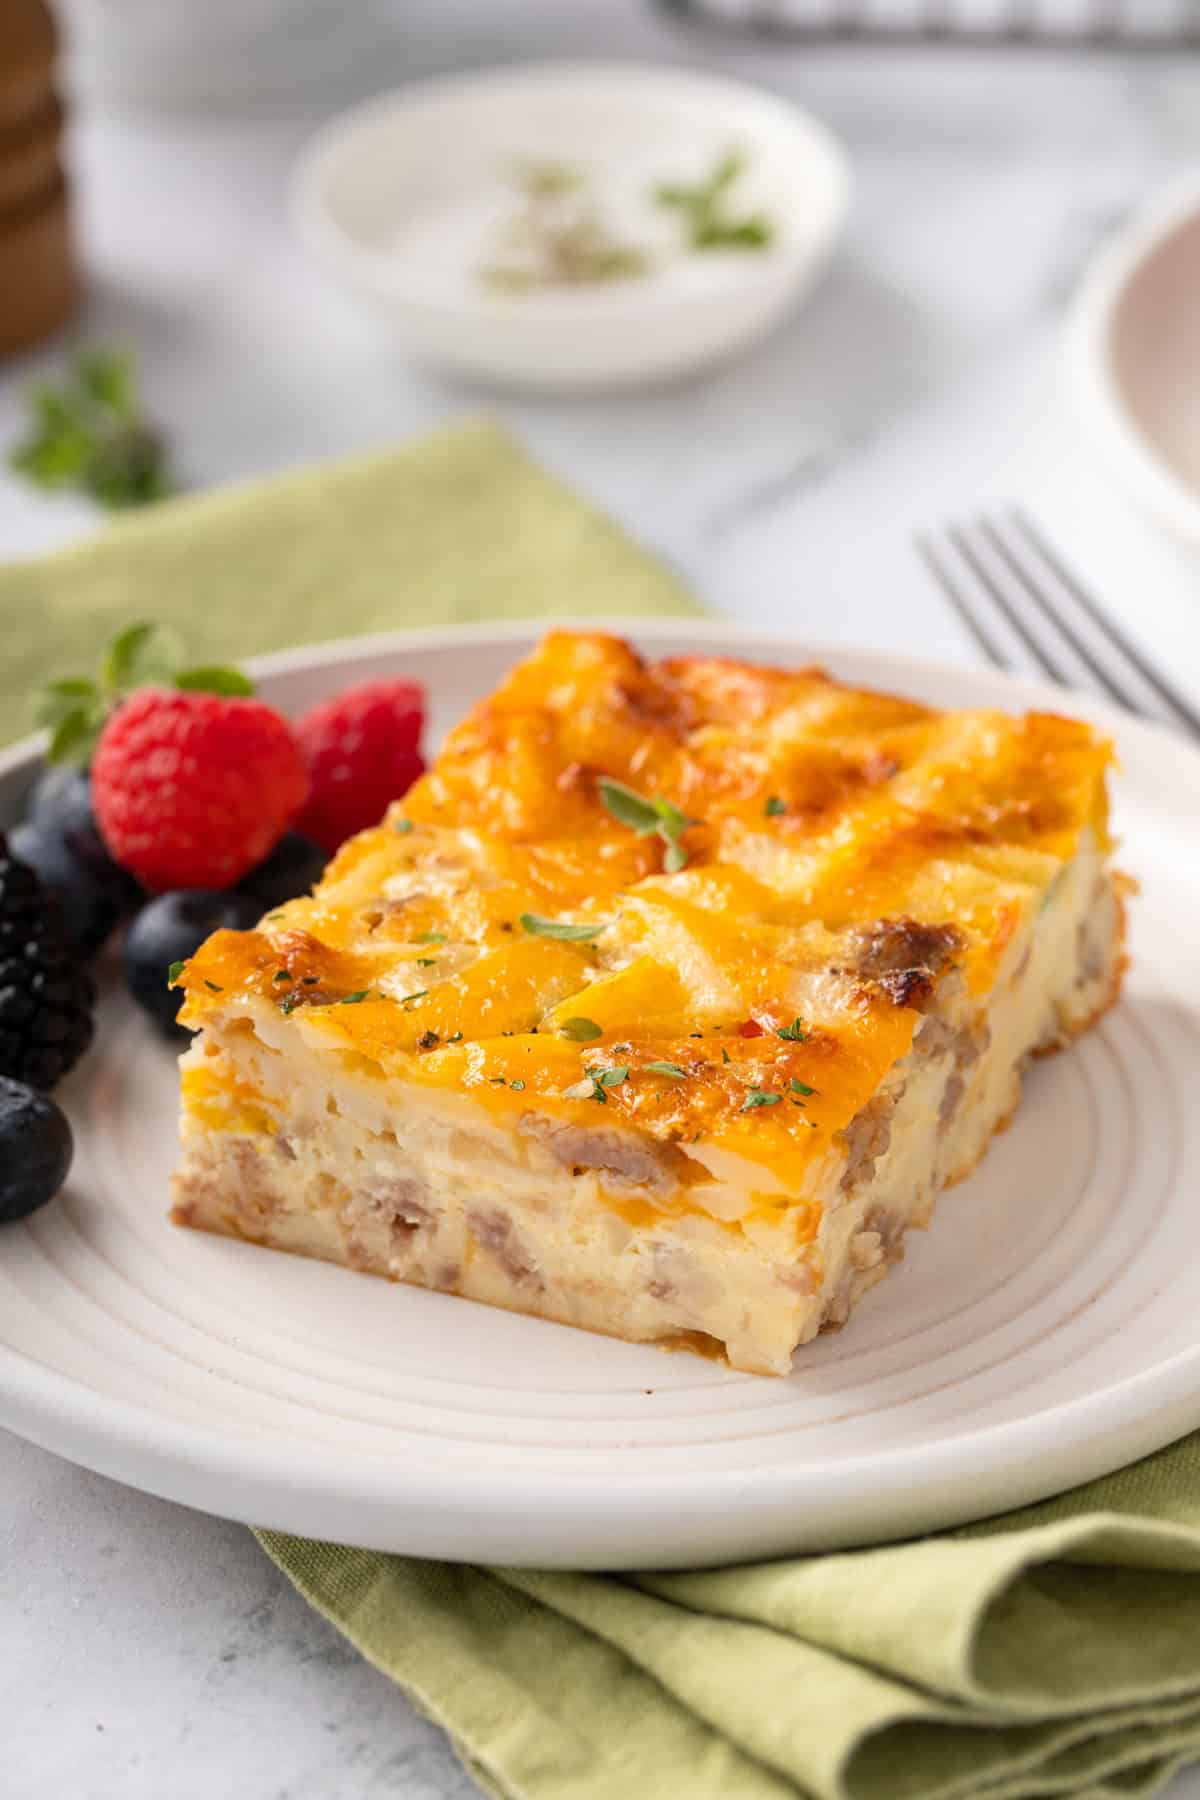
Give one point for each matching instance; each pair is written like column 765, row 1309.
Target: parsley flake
column 670, row 1069
column 774, row 807
column 580, row 1030
column 759, row 1097
column 794, row 1033
column 536, row 926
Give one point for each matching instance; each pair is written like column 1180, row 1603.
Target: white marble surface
column 145, row 1650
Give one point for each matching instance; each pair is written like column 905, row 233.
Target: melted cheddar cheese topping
column 741, row 998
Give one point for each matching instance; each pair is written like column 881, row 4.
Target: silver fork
column 1022, row 604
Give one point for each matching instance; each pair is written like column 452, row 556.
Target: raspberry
column 362, row 753
column 191, row 790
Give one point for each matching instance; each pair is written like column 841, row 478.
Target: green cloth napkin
column 458, row 526
column 1053, row 1651
column 1050, row 1651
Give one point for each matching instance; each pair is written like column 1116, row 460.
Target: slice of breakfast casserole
column 663, row 1004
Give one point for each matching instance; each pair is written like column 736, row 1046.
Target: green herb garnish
column 707, row 214
column 671, row 1070
column 419, row 995
column 403, row 827
column 75, row 708
column 430, row 937
column 518, row 1087
column 800, row 1087
column 427, row 962
column 174, row 972
column 282, row 975
column 648, row 817
column 725, row 1056
column 757, row 1096
column 612, row 1077
column 587, row 1089
column 536, row 926
column 213, row 987
column 580, row 1030
column 87, row 433
column 774, row 807
column 793, row 1033
column 456, row 1039
column 354, row 999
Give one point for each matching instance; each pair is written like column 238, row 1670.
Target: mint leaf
column 74, row 738
column 536, row 926
column 758, row 1097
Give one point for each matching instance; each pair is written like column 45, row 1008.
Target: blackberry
column 46, row 999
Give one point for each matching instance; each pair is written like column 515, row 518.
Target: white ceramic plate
column 1134, row 350
column 400, row 200
column 1044, row 1331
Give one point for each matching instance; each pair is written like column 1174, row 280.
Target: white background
column 146, row 1651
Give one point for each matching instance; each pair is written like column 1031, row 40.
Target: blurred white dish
column 1134, row 348
column 397, row 198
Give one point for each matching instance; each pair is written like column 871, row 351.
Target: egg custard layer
column 663, row 1004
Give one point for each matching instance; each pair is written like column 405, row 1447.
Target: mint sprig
column 706, row 212
column 75, row 708
column 88, row 432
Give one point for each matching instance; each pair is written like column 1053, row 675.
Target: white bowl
column 398, row 199
column 1134, row 352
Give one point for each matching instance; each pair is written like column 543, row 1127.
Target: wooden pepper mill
column 39, row 285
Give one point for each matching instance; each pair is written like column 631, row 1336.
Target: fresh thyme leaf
column 212, row 986
column 430, row 937
column 403, row 827
column 174, row 972
column 282, row 975
column 580, row 1030
column 536, row 926
column 725, row 1056
column 793, row 1033
column 419, row 995
column 354, row 999
column 759, row 1097
column 800, row 1087
column 612, row 1077
column 647, row 817
column 455, row 1039
column 670, row 1069
column 87, row 433
column 774, row 807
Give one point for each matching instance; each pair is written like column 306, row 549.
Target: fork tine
column 996, row 594
column 940, row 569
column 1154, row 678
column 1041, row 600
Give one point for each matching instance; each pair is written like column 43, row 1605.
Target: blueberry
column 35, row 1150
column 170, row 929
column 293, row 866
column 90, row 901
